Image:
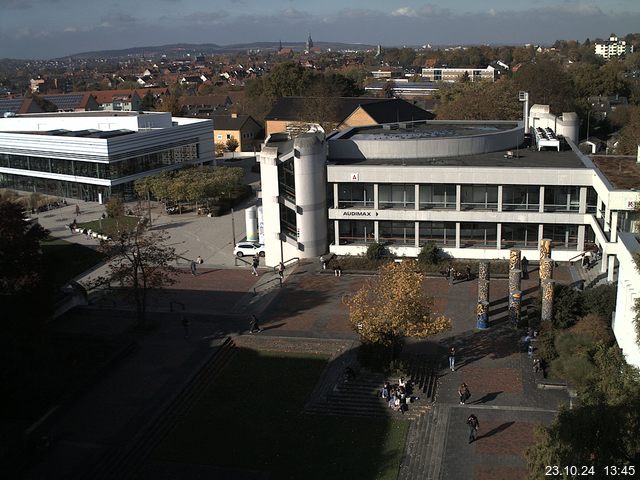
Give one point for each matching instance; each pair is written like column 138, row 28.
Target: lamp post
column 588, row 123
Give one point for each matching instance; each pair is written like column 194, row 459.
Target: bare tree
column 139, row 260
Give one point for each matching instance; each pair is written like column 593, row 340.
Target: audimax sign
column 359, row 214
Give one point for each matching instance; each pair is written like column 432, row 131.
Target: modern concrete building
column 470, row 187
column 628, row 295
column 93, row 155
column 613, row 47
column 454, row 74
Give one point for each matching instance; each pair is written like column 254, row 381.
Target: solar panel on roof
column 10, row 105
column 64, row 103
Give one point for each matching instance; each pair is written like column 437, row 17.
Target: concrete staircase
column 123, row 461
column 591, row 277
column 425, row 445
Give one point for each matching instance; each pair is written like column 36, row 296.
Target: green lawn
column 111, row 226
column 251, row 418
column 65, row 260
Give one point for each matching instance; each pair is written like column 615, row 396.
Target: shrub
column 220, row 149
column 375, row 251
column 115, row 207
column 567, row 306
column 595, row 327
column 600, row 300
column 576, row 369
column 429, row 254
column 232, row 144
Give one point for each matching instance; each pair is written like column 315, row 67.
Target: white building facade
column 613, row 48
column 92, row 156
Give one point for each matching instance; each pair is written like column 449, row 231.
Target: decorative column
column 547, row 300
column 483, row 282
column 483, row 270
column 515, row 302
column 545, row 248
column 482, row 311
column 546, row 269
column 514, row 258
column 515, row 277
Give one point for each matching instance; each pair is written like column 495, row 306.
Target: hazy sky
column 54, row 28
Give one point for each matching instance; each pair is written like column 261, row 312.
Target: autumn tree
column 547, row 84
column 479, row 101
column 393, row 305
column 139, row 261
column 232, row 144
column 115, row 207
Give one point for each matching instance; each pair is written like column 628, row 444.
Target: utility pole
column 233, row 228
column 149, row 205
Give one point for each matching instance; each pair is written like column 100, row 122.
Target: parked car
column 248, row 248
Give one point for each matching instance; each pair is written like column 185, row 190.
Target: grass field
column 111, row 226
column 251, row 418
column 65, row 260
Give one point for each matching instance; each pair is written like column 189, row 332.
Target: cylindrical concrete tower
column 251, row 223
column 310, row 174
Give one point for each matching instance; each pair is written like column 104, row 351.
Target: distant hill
column 211, row 48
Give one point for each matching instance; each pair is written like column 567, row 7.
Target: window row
column 112, row 171
column 478, row 235
column 472, row 197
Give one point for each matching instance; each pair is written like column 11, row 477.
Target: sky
column 55, row 28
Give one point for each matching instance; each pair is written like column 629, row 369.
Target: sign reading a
column 355, row 177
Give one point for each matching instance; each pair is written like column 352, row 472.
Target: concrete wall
column 425, row 147
column 628, row 291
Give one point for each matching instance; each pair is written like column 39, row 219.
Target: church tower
column 309, row 45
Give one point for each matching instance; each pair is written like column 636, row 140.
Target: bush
column 220, row 149
column 429, row 254
column 232, row 144
column 595, row 327
column 115, row 207
column 567, row 306
column 600, row 300
column 375, row 251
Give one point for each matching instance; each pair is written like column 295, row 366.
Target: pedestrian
column 474, row 425
column 281, row 270
column 323, row 262
column 451, row 274
column 468, row 272
column 254, row 325
column 199, row 260
column 77, row 209
column 254, row 265
column 193, row 268
column 464, row 393
column 338, row 271
column 452, row 359
column 185, row 324
column 524, row 265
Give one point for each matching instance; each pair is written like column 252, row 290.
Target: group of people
column 337, row 269
column 452, row 274
column 590, row 257
column 398, row 396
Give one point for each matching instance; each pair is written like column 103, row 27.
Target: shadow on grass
column 251, row 418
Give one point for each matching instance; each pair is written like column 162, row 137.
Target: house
column 289, row 113
column 118, row 100
column 603, row 106
column 205, row 105
column 64, row 102
column 246, row 130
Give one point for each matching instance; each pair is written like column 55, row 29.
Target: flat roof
column 428, row 129
column 622, row 171
column 526, row 158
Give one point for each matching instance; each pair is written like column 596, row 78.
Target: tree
column 171, row 102
column 429, row 254
column 630, row 134
column 479, row 101
column 139, row 261
column 393, row 305
column 232, row 144
column 115, row 207
column 548, row 84
column 387, row 89
column 148, row 102
column 22, row 278
column 220, row 149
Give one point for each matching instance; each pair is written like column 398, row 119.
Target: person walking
column 254, row 265
column 451, row 274
column 524, row 265
column 193, row 268
column 254, row 325
column 464, row 393
column 323, row 262
column 77, row 210
column 474, row 425
column 280, row 270
column 452, row 359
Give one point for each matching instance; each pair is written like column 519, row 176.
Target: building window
column 561, row 199
column 219, row 136
column 523, row 235
column 288, row 222
column 592, row 200
column 228, row 136
column 442, row 234
column 355, row 195
column 478, row 235
column 286, row 179
column 437, row 196
column 396, row 196
column 479, row 197
column 563, row 237
column 401, row 233
column 355, row 231
column 520, row 197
